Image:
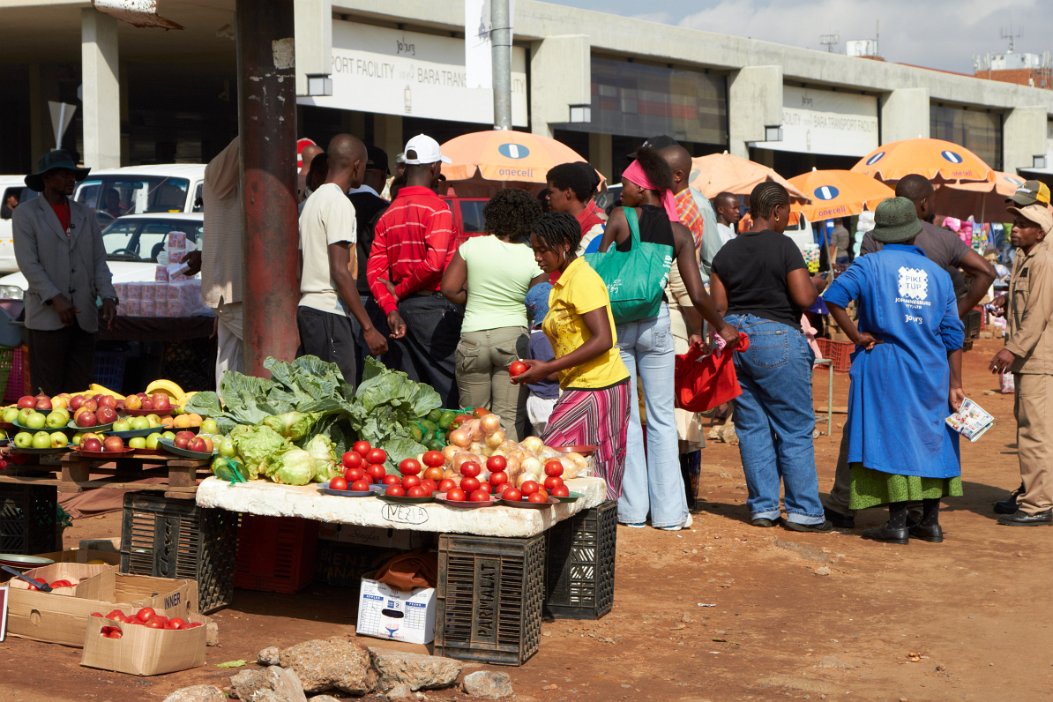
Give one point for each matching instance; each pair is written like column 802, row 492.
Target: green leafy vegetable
column 257, row 444
column 292, row 425
column 324, row 454
column 386, row 407
column 294, row 467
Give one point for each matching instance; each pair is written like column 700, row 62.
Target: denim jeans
column 774, row 420
column 652, row 481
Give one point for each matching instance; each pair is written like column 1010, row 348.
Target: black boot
column 1008, row 505
column 895, row 530
column 928, row 529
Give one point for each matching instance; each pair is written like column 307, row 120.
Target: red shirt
column 413, row 242
column 62, row 212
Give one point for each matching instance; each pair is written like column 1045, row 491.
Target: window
column 122, row 194
column 118, row 238
column 472, row 216
column 979, row 131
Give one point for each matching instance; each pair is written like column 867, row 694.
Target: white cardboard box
column 396, row 615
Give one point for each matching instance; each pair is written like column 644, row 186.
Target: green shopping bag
column 636, row 278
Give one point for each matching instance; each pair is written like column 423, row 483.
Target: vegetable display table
column 272, row 500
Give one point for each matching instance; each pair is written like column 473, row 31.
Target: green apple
column 10, row 415
column 77, row 438
column 140, row 423
column 227, row 448
column 56, row 420
column 24, row 414
column 41, row 440
column 209, row 426
column 168, row 436
column 36, row 421
column 153, row 420
column 153, row 440
column 58, row 439
column 137, row 442
column 23, row 439
column 123, row 424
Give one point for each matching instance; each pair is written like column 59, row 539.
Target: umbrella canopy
column 934, row 159
column 837, row 193
column 984, row 200
column 720, row 173
column 503, row 155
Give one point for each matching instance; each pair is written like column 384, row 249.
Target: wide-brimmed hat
column 54, row 160
column 896, row 220
column 1037, row 213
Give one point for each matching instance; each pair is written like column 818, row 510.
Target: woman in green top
column 490, row 276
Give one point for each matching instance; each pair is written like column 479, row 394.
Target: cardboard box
column 68, row 570
column 55, row 618
column 396, row 615
column 144, row 651
column 82, row 555
column 382, row 537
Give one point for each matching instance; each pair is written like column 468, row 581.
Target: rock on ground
column 336, row 663
column 197, row 693
column 271, row 685
column 269, row 656
column 488, row 684
column 323, row 698
column 418, row 671
column 211, row 633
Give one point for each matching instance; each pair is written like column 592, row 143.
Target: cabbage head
column 292, row 425
column 256, row 444
column 323, row 451
column 294, row 467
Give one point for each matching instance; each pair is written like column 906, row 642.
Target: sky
column 944, row 34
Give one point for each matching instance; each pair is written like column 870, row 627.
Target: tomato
column 96, row 614
column 553, row 467
column 468, row 484
column 395, row 491
column 377, row 456
column 376, row 472
column 433, row 474
column 114, row 614
column 111, row 632
column 512, row 495
column 480, row 495
column 339, row 483
column 362, row 448
column 480, row 412
column 457, row 421
column 176, row 623
column 145, row 614
column 445, row 485
column 496, row 463
column 498, row 478
column 416, row 491
column 553, row 481
column 353, row 474
column 408, row 466
column 433, row 459
column 410, row 481
column 351, row 459
column 517, row 368
column 529, row 487
column 560, row 491
column 429, row 485
column 155, row 623
column 391, row 480
column 360, row 485
column 456, row 495
column 538, row 497
column 61, row 583
column 470, row 469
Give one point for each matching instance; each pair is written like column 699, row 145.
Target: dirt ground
column 725, row 611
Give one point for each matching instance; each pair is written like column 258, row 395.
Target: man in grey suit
column 58, row 246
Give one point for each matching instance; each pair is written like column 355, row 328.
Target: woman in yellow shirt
column 594, row 405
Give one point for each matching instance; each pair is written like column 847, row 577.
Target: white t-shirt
column 328, row 217
column 727, row 232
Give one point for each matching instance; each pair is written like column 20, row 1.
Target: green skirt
column 872, row 488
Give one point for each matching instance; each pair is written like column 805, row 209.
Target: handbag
column 636, row 278
column 704, row 381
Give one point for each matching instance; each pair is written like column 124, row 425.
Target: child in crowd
column 543, row 395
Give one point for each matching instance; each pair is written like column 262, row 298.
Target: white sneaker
column 686, row 525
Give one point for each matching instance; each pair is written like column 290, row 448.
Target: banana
column 168, row 388
column 97, row 389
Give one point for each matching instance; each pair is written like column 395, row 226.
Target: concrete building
column 597, row 82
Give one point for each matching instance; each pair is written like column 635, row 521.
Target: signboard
column 388, row 71
column 826, row 122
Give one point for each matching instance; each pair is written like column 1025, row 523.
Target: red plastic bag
column 704, row 381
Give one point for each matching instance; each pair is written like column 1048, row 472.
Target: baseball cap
column 422, row 150
column 1031, row 192
column 377, row 158
column 1037, row 213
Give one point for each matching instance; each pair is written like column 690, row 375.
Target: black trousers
column 328, row 336
column 61, row 360
column 426, row 353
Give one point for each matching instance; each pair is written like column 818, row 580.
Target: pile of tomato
column 363, row 466
column 417, row 480
column 145, row 617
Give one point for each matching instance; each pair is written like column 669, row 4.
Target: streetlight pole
column 501, row 42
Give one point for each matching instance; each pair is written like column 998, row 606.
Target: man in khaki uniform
column 1028, row 354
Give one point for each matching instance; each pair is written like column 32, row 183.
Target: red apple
column 92, row 445
column 106, row 415
column 182, row 439
column 196, row 444
column 148, row 405
column 113, row 443
column 27, row 402
column 76, row 402
column 133, row 402
column 162, row 402
column 43, row 403
column 86, row 418
column 107, row 401
column 90, row 405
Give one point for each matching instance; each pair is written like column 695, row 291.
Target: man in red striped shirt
column 412, row 244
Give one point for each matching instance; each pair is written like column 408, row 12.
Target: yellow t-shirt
column 580, row 290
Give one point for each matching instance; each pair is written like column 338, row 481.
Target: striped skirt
column 599, row 418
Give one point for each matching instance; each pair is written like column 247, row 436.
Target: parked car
column 133, row 244
column 115, row 192
column 9, row 185
column 467, row 214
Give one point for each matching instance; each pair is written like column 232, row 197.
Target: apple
column 90, row 405
column 57, row 419
column 162, row 402
column 123, row 424
column 23, row 439
column 108, row 401
column 183, row 438
column 139, row 423
column 23, row 415
column 41, row 440
column 27, row 402
column 227, row 448
column 44, row 404
column 106, row 415
column 209, row 426
column 86, row 418
column 152, row 420
column 10, row 415
column 59, row 439
column 92, row 444
column 197, row 444
column 36, row 421
column 153, row 440
column 113, row 443
column 147, row 404
column 133, row 402
column 60, row 401
column 76, row 402
column 168, row 436
column 137, row 442
column 77, row 438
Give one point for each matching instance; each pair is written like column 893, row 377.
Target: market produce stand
column 73, row 473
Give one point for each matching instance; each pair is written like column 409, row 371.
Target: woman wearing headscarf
column 653, row 484
column 899, row 447
column 762, row 282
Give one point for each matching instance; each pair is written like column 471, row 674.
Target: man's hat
column 54, row 160
column 422, row 150
column 1031, row 192
column 1037, row 213
column 377, row 159
column 896, row 220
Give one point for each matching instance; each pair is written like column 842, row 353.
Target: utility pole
column 501, row 42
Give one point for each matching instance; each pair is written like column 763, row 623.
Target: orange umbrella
column 983, row 200
column 837, row 193
column 503, row 155
column 934, row 159
column 724, row 173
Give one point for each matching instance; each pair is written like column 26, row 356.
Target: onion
column 478, row 448
column 531, row 465
column 576, row 458
column 508, row 445
column 450, row 474
column 532, row 444
column 448, row 452
column 463, row 457
column 459, row 437
column 527, row 475
column 474, row 429
column 512, row 464
column 495, row 439
column 491, row 423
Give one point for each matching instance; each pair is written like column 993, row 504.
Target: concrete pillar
column 1023, row 137
column 601, row 154
column 754, row 102
column 314, row 40
column 905, row 115
column 387, row 134
column 41, row 136
column 560, row 76
column 101, row 90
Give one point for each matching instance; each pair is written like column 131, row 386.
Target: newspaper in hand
column 971, row 420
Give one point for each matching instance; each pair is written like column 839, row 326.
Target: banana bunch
column 167, row 387
column 97, row 389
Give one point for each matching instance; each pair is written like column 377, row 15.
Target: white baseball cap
column 422, row 150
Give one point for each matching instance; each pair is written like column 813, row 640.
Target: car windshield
column 142, row 240
column 117, row 195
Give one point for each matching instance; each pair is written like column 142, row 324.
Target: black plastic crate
column 489, row 598
column 174, row 538
column 28, row 515
column 580, row 567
